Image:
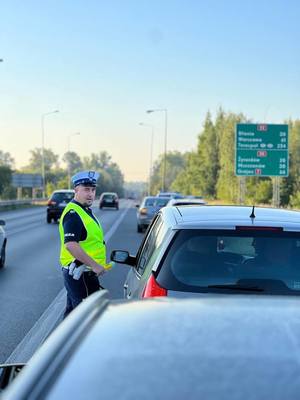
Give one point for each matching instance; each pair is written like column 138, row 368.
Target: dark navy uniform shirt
column 74, row 230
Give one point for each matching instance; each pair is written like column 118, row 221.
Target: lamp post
column 151, row 152
column 43, row 140
column 165, row 146
column 69, row 169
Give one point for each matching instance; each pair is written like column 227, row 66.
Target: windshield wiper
column 237, row 287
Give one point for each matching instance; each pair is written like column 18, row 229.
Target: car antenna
column 252, row 215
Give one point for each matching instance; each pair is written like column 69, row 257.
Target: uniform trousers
column 77, row 290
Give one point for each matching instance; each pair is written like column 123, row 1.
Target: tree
column 97, row 161
column 258, row 190
column 6, row 159
column 117, row 178
column 175, row 163
column 208, row 153
column 290, row 186
column 111, row 177
column 73, row 161
column 5, row 178
column 228, row 184
column 35, row 162
column 188, row 181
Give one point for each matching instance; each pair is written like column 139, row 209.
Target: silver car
column 148, row 209
column 3, row 241
column 216, row 249
column 167, row 349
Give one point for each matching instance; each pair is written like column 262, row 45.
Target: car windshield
column 62, row 197
column 229, row 260
column 156, row 202
column 109, row 197
column 161, row 202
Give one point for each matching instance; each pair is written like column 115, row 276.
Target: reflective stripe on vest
column 92, row 245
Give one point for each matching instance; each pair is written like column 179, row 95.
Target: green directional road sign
column 261, row 150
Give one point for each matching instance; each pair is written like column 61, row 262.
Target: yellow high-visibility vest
column 93, row 245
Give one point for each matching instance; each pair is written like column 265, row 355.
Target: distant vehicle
column 193, row 197
column 241, row 348
column 57, row 202
column 3, row 241
column 148, row 209
column 173, row 195
column 216, row 249
column 109, row 199
column 186, row 202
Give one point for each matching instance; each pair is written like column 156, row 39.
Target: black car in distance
column 109, row 199
column 57, row 202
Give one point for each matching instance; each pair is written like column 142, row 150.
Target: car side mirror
column 122, row 257
column 137, row 205
column 2, row 222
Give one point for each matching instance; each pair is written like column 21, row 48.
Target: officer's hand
column 99, row 270
column 109, row 266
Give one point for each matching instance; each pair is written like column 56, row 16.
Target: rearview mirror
column 2, row 222
column 119, row 256
column 122, row 257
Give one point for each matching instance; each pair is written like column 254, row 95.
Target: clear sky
column 104, row 63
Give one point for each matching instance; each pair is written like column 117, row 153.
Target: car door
column 132, row 286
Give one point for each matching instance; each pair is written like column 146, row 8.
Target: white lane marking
column 51, row 316
column 115, row 225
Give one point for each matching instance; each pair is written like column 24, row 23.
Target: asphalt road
column 31, row 280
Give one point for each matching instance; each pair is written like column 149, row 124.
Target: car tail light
column 143, row 211
column 152, row 288
column 51, row 203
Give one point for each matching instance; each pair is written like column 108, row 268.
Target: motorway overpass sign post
column 262, row 150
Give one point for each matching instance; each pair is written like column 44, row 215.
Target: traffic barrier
column 14, row 203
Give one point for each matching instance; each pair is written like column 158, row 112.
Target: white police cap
column 87, row 178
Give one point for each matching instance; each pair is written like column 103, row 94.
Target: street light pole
column 43, row 145
column 165, row 145
column 151, row 153
column 69, row 167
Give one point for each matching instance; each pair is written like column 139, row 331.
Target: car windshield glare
column 200, row 259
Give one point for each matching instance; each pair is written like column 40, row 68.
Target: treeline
column 56, row 177
column 209, row 170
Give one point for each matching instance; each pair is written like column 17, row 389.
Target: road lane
column 31, row 281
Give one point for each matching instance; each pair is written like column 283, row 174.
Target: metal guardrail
column 7, row 203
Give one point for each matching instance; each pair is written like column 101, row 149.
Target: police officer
column 83, row 251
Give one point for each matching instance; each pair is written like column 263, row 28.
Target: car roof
column 228, row 217
column 171, row 348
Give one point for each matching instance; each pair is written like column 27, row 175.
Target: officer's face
column 85, row 195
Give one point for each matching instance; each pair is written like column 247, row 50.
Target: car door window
column 148, row 246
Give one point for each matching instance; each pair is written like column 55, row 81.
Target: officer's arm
column 81, row 255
